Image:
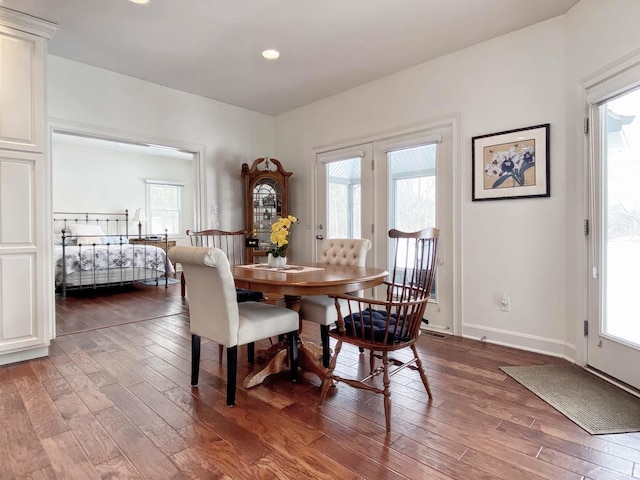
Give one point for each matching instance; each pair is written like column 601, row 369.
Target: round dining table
column 293, row 282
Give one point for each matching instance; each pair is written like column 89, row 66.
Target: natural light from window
column 344, row 199
column 164, row 207
column 622, row 218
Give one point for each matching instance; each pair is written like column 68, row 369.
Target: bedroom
column 99, row 176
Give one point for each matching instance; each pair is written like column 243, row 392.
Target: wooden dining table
column 293, row 282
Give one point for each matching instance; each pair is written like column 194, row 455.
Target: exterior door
column 613, row 344
column 344, row 207
column 414, row 190
column 404, row 182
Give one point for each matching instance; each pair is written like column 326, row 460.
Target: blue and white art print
column 511, row 164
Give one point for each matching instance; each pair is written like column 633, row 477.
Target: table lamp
column 139, row 217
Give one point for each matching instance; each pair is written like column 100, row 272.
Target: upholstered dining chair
column 321, row 309
column 384, row 326
column 232, row 243
column 214, row 312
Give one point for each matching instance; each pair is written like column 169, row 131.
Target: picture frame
column 511, row 164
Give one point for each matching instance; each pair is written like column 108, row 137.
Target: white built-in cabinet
column 26, row 283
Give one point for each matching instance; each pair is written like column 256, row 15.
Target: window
column 164, row 200
column 344, row 198
column 413, row 187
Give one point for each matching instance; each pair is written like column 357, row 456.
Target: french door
column 345, row 189
column 613, row 344
column 404, row 182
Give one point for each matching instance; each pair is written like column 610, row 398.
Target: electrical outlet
column 505, row 303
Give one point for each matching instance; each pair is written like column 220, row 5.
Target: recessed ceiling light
column 271, row 54
column 140, row 2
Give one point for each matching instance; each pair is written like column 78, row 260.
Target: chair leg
column 423, row 375
column 328, row 379
column 232, row 372
column 251, row 352
column 183, row 285
column 324, row 336
column 293, row 355
column 372, row 361
column 386, row 380
column 195, row 359
column 251, row 349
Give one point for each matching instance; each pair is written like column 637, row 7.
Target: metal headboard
column 111, row 223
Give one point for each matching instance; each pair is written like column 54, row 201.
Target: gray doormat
column 586, row 399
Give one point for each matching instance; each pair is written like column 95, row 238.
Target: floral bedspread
column 104, row 257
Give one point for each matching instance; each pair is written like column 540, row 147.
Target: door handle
column 319, row 237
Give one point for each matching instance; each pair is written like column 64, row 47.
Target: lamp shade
column 138, row 216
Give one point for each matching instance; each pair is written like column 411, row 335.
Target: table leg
column 276, row 364
column 276, row 355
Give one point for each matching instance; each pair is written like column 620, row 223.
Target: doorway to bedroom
column 158, row 185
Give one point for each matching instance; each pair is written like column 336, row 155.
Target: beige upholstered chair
column 233, row 245
column 320, row 308
column 384, row 326
column 215, row 314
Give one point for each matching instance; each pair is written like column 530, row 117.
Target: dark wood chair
column 232, row 243
column 384, row 326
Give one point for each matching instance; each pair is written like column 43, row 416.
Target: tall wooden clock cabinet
column 266, row 186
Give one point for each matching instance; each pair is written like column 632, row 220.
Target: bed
column 92, row 250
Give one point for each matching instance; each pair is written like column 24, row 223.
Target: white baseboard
column 22, row 355
column 531, row 343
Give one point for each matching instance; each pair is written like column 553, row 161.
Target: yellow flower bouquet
column 280, row 231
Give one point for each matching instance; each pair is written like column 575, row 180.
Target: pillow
column 115, row 239
column 68, row 241
column 86, row 234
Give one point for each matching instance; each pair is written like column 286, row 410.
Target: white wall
column 99, row 99
column 514, row 246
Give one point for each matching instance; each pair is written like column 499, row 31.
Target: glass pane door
column 343, row 214
column 613, row 344
column 344, row 207
column 621, row 205
column 412, row 183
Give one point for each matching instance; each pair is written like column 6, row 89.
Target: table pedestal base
column 278, row 361
column 277, row 358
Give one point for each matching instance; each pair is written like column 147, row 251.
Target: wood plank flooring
column 88, row 309
column 115, row 403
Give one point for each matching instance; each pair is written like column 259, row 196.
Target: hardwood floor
column 89, row 309
column 116, row 403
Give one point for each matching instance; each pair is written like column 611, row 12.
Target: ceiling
column 213, row 48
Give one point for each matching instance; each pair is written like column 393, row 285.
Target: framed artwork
column 511, row 164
